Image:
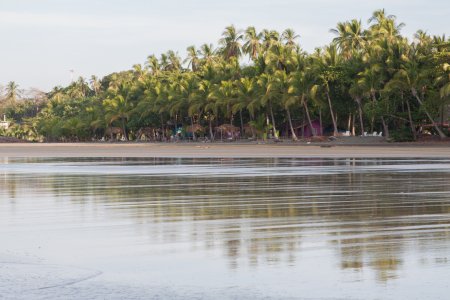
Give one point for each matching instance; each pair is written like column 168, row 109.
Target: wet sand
column 197, row 150
column 237, row 228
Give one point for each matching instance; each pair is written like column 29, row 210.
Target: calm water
column 224, row 228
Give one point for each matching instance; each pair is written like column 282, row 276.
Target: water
column 224, row 228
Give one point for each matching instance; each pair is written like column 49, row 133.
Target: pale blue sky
column 41, row 40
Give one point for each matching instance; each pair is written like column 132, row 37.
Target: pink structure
column 305, row 130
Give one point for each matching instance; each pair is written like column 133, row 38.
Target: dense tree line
column 260, row 83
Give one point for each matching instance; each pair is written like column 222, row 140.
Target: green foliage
column 261, row 127
column 365, row 76
column 402, row 135
column 24, row 132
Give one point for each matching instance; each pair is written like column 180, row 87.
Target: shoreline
column 221, row 150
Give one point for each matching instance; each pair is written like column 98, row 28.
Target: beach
column 223, row 228
column 214, row 150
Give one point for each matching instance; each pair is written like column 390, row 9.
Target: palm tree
column 153, row 65
column 79, row 89
column 384, row 26
column 356, row 92
column 290, row 38
column 326, row 65
column 281, row 57
column 95, row 84
column 379, row 16
column 370, row 81
column 286, row 99
column 13, row 93
column 422, row 38
column 155, row 100
column 57, row 94
column 231, row 42
column 224, row 95
column 414, row 78
column 269, row 38
column 268, row 89
column 376, row 67
column 200, row 100
column 208, row 54
column 180, row 92
column 164, row 62
column 174, row 61
column 149, row 98
column 350, row 37
column 247, row 98
column 192, row 59
column 302, row 84
column 189, row 88
column 119, row 107
column 445, row 78
column 252, row 45
column 139, row 73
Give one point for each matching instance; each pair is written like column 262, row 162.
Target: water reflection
column 353, row 214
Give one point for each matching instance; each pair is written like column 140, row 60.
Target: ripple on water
column 226, row 228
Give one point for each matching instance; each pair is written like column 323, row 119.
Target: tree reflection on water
column 258, row 213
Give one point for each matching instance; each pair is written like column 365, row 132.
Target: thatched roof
column 228, row 128
column 248, row 129
column 195, row 128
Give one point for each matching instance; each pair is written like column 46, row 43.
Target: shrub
column 402, row 135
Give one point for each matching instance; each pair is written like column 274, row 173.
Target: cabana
column 228, row 131
column 149, row 134
column 195, row 129
column 304, row 130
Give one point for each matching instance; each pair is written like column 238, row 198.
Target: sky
column 42, row 40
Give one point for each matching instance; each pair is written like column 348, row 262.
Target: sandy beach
column 194, row 150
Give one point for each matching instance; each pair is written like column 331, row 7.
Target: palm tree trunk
column 353, row 126
column 251, row 127
column 383, row 122
column 320, row 122
column 124, row 128
column 175, row 127
column 192, row 129
column 162, row 128
column 439, row 131
column 372, row 119
column 385, row 128
column 335, row 129
column 294, row 136
column 211, row 135
column 242, row 123
column 308, row 117
column 349, row 123
column 275, row 134
column 360, row 111
column 411, row 123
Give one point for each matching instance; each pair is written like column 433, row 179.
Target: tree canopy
column 369, row 78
